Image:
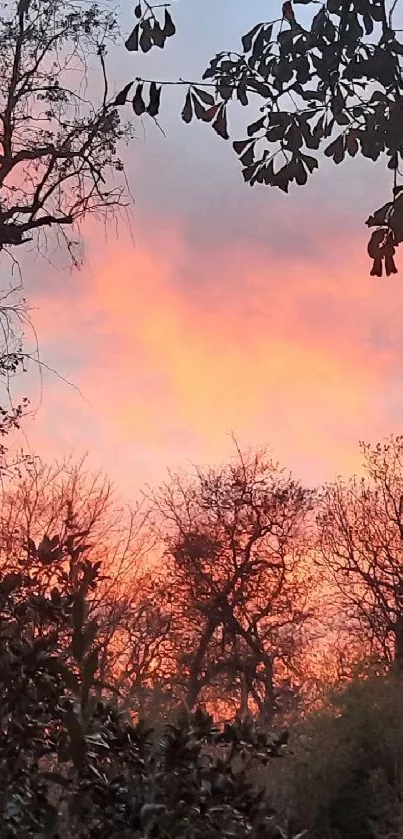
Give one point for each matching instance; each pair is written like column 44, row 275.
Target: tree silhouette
column 238, row 581
column 332, row 84
column 360, row 538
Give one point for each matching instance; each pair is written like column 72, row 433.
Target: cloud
column 174, row 347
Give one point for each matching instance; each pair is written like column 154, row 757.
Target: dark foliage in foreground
column 72, row 764
column 324, row 78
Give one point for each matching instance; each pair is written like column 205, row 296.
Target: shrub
column 348, row 760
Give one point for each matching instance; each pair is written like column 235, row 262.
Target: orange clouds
column 172, row 360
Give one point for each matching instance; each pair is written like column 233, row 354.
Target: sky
column 217, row 309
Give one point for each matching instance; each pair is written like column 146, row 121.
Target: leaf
column 393, row 162
column 198, row 108
column 376, row 243
column 137, row 11
column 220, row 123
column 204, row 95
column 146, row 36
column 132, row 43
column 169, row 26
column 242, row 94
column 138, row 101
column 380, row 216
column 122, row 95
column 368, row 24
column 247, row 39
column 211, row 112
column 352, row 144
column 187, row 111
column 158, row 35
column 310, row 162
column 240, row 146
column 155, row 100
column 254, row 127
column 301, row 176
column 336, row 149
column 247, row 158
column 318, row 22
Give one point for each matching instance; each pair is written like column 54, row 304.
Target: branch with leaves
column 334, row 85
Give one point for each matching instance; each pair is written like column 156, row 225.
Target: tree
column 238, row 580
column 73, row 518
column 58, row 146
column 360, row 540
column 335, row 83
column 59, row 138
column 75, row 765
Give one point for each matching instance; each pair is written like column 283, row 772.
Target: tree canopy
column 330, row 86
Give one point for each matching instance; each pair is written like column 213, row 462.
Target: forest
column 221, row 656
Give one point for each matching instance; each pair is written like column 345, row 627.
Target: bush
column 346, row 772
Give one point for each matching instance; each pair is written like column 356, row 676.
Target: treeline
column 234, row 587
column 234, row 591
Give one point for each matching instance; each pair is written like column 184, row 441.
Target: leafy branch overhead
column 149, row 31
column 331, row 85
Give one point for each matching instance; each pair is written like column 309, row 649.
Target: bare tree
column 238, row 581
column 58, row 133
column 361, row 544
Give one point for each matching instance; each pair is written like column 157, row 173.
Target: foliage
column 347, row 768
column 333, row 84
column 73, row 764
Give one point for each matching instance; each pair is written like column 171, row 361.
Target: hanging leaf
column 138, row 103
column 301, row 176
column 310, row 162
column 146, row 36
column 199, row 110
column 121, row 97
column 137, row 11
column 247, row 39
column 132, row 43
column 368, row 24
column 352, row 144
column 187, row 112
column 248, row 156
column 239, row 146
column 242, row 94
column 169, row 26
column 220, row 123
column 254, row 127
column 158, row 35
column 155, row 99
column 204, row 95
column 336, row 149
column 211, row 112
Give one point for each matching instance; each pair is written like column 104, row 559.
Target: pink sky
column 228, row 310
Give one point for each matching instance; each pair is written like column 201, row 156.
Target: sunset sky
column 223, row 309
